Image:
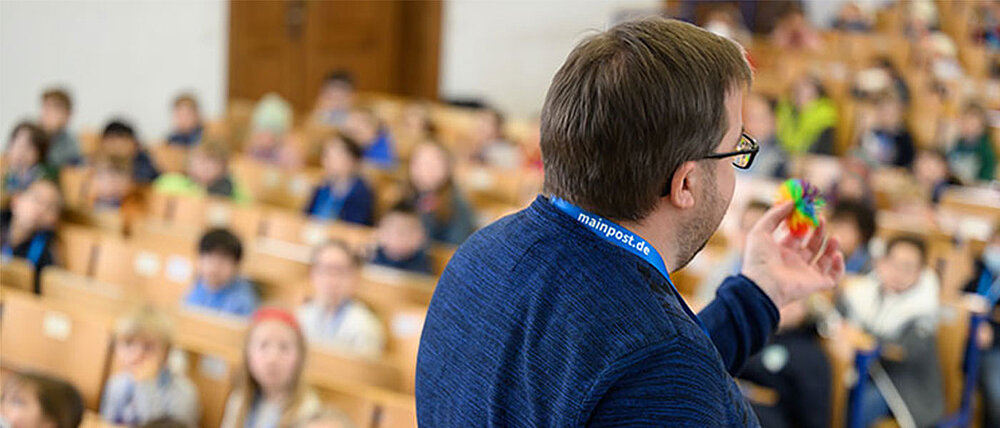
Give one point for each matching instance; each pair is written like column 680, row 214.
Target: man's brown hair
column 59, row 96
column 629, row 106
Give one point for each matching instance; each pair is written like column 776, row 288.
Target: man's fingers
column 824, row 264
column 837, row 268
column 773, row 217
column 791, row 242
column 832, row 247
column 815, row 243
column 832, row 260
column 837, row 271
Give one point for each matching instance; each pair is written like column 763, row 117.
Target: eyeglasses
column 746, row 151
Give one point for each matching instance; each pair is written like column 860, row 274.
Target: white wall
column 117, row 57
column 506, row 52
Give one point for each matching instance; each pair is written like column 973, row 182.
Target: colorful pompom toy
column 808, row 204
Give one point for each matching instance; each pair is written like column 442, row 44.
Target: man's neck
column 656, row 232
column 657, row 235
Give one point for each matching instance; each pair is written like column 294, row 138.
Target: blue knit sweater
column 538, row 322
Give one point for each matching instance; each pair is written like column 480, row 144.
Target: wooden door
column 264, row 53
column 288, row 46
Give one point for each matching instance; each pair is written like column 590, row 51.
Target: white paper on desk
column 57, row 326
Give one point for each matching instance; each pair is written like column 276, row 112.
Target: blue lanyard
column 623, row 238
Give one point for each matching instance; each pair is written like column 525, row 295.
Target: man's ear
column 682, row 186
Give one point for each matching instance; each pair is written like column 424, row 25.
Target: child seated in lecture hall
column 270, row 390
column 806, row 118
column 24, row 159
column 973, row 155
column 120, row 140
column 343, row 194
column 218, row 285
column 794, row 367
column 415, row 125
column 932, row 175
column 853, row 224
column 850, row 17
column 207, row 173
column 144, row 388
column 490, row 146
column 333, row 316
column 27, row 230
column 35, row 400
column 335, row 99
column 186, row 121
column 984, row 282
column 364, row 127
column 852, row 182
column 401, row 241
column 898, row 304
column 880, row 77
column 112, row 188
column 771, row 160
column 445, row 213
column 64, row 148
column 883, row 139
column 269, row 140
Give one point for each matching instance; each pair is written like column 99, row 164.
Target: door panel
column 262, row 55
column 288, row 46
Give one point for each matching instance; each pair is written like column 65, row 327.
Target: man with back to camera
column 558, row 315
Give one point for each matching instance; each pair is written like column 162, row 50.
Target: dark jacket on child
column 357, row 205
column 143, row 167
column 418, row 262
column 794, row 366
column 186, row 139
column 37, row 250
column 456, row 228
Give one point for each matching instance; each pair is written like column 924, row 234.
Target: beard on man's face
column 698, row 227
